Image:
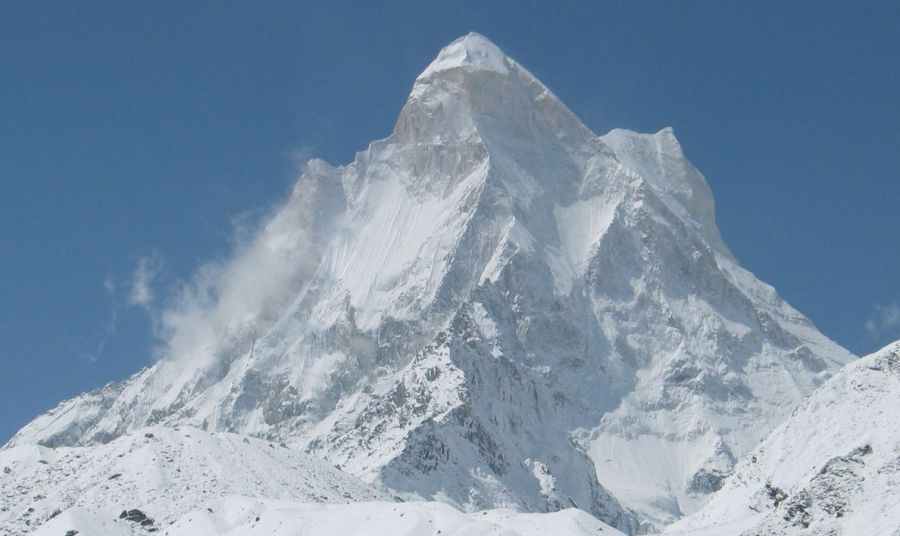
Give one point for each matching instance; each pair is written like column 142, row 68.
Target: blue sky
column 139, row 140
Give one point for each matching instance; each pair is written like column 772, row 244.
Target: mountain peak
column 474, row 93
column 472, row 52
column 491, row 273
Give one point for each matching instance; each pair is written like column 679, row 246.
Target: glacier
column 492, row 308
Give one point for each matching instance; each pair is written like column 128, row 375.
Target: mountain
column 833, row 467
column 493, row 307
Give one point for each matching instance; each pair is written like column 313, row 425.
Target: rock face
column 491, row 307
column 833, row 467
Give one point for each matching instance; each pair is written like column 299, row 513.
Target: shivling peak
column 492, row 307
column 472, row 52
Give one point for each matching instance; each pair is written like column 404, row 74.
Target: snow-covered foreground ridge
column 165, row 473
column 833, row 468
column 194, row 483
column 244, row 516
column 494, row 308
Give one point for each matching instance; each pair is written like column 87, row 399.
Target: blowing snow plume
column 228, row 305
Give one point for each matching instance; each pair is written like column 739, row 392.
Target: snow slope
column 165, row 473
column 833, row 468
column 493, row 307
column 241, row 516
column 195, row 483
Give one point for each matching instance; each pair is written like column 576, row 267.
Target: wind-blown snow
column 484, row 308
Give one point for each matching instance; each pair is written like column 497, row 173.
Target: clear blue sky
column 131, row 130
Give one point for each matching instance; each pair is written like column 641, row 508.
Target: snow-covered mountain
column 492, row 307
column 832, row 468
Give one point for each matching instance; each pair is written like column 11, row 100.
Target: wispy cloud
column 142, row 292
column 884, row 322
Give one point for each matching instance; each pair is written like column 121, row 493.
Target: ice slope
column 164, row 472
column 833, row 468
column 242, row 516
column 492, row 307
